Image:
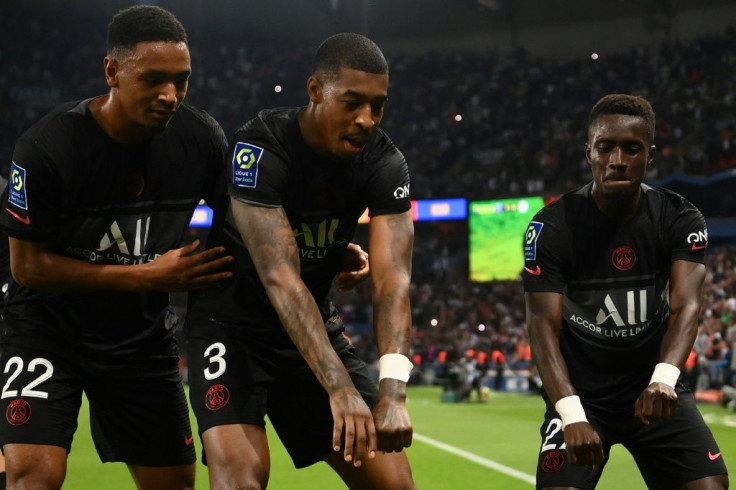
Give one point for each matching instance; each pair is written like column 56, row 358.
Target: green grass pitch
column 457, row 446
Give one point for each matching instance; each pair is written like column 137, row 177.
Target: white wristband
column 395, row 366
column 570, row 410
column 666, row 374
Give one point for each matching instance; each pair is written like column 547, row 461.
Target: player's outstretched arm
column 391, row 242
column 36, row 266
column 544, row 319
column 269, row 238
column 686, row 292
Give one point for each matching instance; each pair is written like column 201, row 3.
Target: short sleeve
column 689, row 234
column 545, row 249
column 257, row 171
column 33, row 198
column 389, row 184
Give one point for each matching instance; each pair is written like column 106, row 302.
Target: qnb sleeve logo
column 401, row 192
column 698, row 240
column 17, row 187
column 530, row 240
column 245, row 164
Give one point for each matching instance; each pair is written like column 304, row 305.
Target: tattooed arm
column 270, row 241
column 390, row 246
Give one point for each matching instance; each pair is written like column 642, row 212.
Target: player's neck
column 618, row 210
column 310, row 131
column 110, row 116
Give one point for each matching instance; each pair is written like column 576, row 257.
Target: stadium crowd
column 474, row 125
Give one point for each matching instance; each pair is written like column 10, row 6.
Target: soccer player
column 100, row 196
column 5, row 279
column 613, row 280
column 269, row 341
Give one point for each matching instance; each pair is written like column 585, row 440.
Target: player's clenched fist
column 393, row 425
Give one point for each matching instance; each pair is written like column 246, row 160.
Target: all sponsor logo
column 17, row 187
column 530, row 240
column 123, row 243
column 245, row 164
column 623, row 258
column 623, row 321
column 115, row 238
column 18, row 412
column 216, row 397
column 553, row 461
column 316, row 239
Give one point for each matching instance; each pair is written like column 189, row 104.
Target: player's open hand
column 185, row 269
column 393, row 424
column 584, row 446
column 352, row 416
column 354, row 268
column 658, row 400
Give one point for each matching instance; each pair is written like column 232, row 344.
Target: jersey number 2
column 28, row 389
column 555, row 425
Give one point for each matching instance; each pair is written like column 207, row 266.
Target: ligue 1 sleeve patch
column 17, row 187
column 245, row 164
column 530, row 240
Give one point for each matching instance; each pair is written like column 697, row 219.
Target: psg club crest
column 217, row 397
column 18, row 412
column 623, row 258
column 553, row 461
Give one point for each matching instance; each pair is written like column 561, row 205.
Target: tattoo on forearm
column 270, row 241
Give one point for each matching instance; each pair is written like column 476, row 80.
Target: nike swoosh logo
column 534, row 272
column 713, row 457
column 697, row 246
column 25, row 221
column 188, row 440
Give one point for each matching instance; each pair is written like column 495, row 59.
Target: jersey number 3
column 217, row 359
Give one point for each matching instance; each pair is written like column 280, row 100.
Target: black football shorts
column 669, row 452
column 239, row 378
column 138, row 410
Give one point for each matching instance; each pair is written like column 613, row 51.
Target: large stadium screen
column 496, row 233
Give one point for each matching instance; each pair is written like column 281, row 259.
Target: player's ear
column 315, row 90
column 112, row 67
column 587, row 151
column 650, row 156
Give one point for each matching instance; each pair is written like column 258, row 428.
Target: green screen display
column 496, row 234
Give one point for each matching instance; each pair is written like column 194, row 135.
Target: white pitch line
column 477, row 459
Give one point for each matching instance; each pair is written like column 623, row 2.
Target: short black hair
column 143, row 23
column 348, row 50
column 628, row 105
